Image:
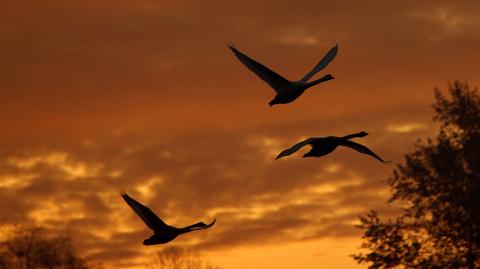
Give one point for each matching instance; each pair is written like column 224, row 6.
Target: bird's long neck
column 192, row 227
column 320, row 80
column 359, row 134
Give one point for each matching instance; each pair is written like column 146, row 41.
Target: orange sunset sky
column 145, row 96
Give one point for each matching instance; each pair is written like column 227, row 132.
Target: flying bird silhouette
column 322, row 146
column 162, row 233
column 287, row 91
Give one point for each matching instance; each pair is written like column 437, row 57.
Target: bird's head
column 327, row 77
column 362, row 134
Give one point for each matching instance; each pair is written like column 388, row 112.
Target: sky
column 145, row 96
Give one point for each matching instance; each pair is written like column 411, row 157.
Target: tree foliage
column 29, row 247
column 439, row 189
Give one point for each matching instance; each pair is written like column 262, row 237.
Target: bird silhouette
column 322, row 146
column 287, row 91
column 162, row 233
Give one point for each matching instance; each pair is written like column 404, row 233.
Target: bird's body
column 160, row 238
column 322, row 146
column 162, row 233
column 287, row 91
column 295, row 90
column 288, row 94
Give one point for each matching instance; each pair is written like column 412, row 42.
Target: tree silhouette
column 28, row 247
column 438, row 187
column 178, row 258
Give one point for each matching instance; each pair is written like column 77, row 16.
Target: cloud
column 229, row 175
column 405, row 128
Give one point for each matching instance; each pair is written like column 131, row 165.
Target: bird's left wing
column 273, row 79
column 294, row 148
column 329, row 56
column 151, row 220
column 362, row 149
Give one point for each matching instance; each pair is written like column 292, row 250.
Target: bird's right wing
column 362, row 149
column 151, row 220
column 329, row 56
column 273, row 79
column 294, row 148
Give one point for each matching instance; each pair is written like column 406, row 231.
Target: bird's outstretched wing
column 329, row 56
column 294, row 148
column 362, row 149
column 201, row 225
column 273, row 79
column 151, row 220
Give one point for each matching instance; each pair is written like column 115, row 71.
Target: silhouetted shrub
column 179, row 258
column 28, row 247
